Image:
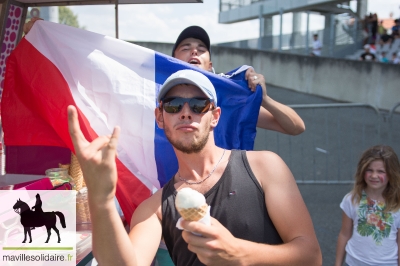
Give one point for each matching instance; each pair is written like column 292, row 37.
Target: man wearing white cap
column 258, row 216
column 367, row 55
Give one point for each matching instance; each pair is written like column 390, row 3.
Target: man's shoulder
column 269, row 168
column 261, row 153
column 263, row 158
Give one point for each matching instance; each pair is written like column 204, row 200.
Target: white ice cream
column 189, row 198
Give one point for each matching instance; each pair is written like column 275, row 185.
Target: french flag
column 111, row 82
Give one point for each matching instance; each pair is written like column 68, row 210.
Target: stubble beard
column 193, row 147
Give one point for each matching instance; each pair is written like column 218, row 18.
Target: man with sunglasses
column 258, row 214
column 193, row 46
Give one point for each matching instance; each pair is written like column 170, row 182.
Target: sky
column 164, row 22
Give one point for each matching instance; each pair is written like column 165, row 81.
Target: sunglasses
column 174, row 105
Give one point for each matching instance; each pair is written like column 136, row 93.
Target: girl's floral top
column 374, row 236
column 372, row 220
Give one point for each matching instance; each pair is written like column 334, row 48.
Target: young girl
column 371, row 216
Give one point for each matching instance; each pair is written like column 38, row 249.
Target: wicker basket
column 82, row 206
column 75, row 172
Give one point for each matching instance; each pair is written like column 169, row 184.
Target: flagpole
column 116, row 19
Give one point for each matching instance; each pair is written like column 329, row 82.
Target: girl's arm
column 398, row 246
column 345, row 234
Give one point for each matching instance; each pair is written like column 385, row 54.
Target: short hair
column 195, row 32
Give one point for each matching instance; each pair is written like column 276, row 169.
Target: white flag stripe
column 112, row 83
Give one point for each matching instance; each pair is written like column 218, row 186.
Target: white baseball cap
column 192, row 77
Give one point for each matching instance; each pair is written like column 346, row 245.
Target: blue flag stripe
column 237, row 126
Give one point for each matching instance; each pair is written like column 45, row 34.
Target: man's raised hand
column 96, row 158
column 28, row 26
column 255, row 79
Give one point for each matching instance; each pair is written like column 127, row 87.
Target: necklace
column 204, row 179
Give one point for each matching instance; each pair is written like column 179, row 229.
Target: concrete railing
column 344, row 80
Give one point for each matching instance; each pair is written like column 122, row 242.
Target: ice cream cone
column 193, row 214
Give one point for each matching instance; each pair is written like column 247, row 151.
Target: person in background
column 385, row 38
column 381, row 29
column 193, row 46
column 371, row 218
column 384, row 58
column 374, row 28
column 367, row 55
column 316, row 46
column 395, row 58
column 396, row 29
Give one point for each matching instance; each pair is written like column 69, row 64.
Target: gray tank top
column 237, row 202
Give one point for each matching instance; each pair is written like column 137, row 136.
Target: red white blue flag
column 111, row 82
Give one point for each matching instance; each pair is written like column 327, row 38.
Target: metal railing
column 336, row 135
column 346, row 39
column 225, row 5
column 391, row 120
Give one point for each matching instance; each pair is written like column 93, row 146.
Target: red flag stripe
column 36, row 96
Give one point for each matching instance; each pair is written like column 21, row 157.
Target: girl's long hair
column 391, row 194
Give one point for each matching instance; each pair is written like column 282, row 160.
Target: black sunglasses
column 174, row 105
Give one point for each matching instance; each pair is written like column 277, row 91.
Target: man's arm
column 287, row 211
column 345, row 234
column 274, row 115
column 146, row 229
column 111, row 243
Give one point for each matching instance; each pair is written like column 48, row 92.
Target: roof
column 101, row 2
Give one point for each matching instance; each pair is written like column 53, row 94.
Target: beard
column 194, row 147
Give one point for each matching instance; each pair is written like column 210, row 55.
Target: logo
column 38, row 227
column 32, row 219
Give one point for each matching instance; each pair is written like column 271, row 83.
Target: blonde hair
column 391, row 194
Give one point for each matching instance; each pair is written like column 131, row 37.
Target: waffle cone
column 193, row 214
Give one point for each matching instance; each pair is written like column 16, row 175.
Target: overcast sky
column 164, row 22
